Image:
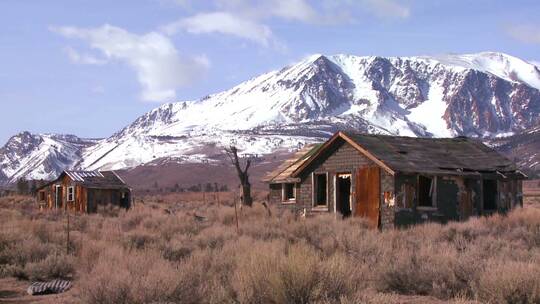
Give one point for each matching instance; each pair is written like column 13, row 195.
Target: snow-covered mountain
column 39, row 156
column 485, row 94
column 523, row 148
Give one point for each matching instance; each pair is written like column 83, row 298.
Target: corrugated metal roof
column 79, row 176
column 93, row 179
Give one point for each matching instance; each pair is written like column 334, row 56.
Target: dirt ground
column 14, row 291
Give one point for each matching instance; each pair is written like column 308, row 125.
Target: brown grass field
column 177, row 249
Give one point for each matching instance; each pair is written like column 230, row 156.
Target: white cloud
column 76, row 57
column 159, row 67
column 299, row 10
column 247, row 18
column 224, row 23
column 293, row 10
column 524, row 33
column 387, row 8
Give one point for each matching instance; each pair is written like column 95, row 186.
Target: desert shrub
column 510, row 282
column 26, row 250
column 42, row 231
column 275, row 272
column 146, row 255
column 53, row 267
column 341, row 276
column 177, row 250
column 298, row 275
column 139, row 240
column 429, row 269
column 15, row 271
column 145, row 277
column 227, row 216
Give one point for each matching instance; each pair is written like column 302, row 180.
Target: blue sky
column 91, row 67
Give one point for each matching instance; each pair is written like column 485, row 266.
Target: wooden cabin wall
column 510, row 194
column 80, row 196
column 85, row 199
column 103, row 197
column 344, row 158
column 275, row 193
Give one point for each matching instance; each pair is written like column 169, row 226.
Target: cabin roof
column 433, row 155
column 282, row 174
column 438, row 156
column 93, row 179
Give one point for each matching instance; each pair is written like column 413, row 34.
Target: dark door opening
column 490, row 194
column 58, row 197
column 124, row 201
column 90, row 202
column 343, row 191
column 425, row 191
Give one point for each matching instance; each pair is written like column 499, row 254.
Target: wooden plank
column 361, row 192
column 368, row 194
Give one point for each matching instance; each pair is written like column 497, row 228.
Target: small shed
column 84, row 191
column 398, row 181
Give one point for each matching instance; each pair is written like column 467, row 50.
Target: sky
column 91, row 67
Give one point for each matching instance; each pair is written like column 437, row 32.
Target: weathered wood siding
column 85, row 199
column 343, row 158
column 274, row 195
column 104, row 197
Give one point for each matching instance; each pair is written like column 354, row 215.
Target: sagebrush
column 190, row 252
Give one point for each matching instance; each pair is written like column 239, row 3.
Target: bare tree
column 242, row 173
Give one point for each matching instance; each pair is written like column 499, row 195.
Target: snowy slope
column 484, row 94
column 501, row 65
column 39, row 156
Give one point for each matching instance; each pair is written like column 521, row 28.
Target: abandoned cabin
column 84, row 191
column 397, row 181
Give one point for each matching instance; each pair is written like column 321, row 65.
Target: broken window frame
column 284, row 191
column 315, row 188
column 41, row 195
column 70, row 194
column 431, row 195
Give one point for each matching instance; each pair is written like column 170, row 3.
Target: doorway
column 490, row 195
column 343, row 194
column 58, row 197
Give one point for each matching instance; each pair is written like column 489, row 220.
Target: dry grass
column 160, row 252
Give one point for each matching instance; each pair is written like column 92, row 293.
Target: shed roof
column 93, row 179
column 282, row 174
column 443, row 156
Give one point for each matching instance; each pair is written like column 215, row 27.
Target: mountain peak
column 306, row 102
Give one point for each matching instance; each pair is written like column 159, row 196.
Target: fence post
column 67, row 239
column 236, row 214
